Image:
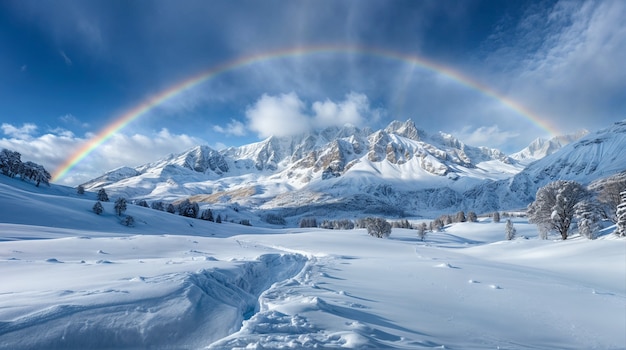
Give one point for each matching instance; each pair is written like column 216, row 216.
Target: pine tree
column 128, row 221
column 588, row 216
column 621, row 216
column 120, row 206
column 218, row 220
column 102, row 195
column 207, row 215
column 509, row 230
column 171, row 208
column 80, row 189
column 143, row 203
column 97, row 208
column 157, row 205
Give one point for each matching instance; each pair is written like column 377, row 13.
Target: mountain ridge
column 353, row 169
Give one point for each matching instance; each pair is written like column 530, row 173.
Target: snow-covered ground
column 72, row 279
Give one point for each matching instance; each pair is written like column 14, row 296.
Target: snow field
column 72, row 279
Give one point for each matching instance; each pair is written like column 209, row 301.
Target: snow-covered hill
column 73, row 279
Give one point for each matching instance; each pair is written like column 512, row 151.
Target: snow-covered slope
column 593, row 157
column 73, row 279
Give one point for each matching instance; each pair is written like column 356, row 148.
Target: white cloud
column 287, row 114
column 24, row 132
column 281, row 115
column 490, row 136
column 235, row 128
column 52, row 149
column 67, row 60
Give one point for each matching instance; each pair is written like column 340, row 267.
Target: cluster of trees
column 185, row 208
column 561, row 204
column 11, row 165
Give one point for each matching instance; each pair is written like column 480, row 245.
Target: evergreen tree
column 80, row 189
column 472, row 217
column 170, row 208
column 128, row 220
column 120, row 206
column 588, row 216
column 207, row 215
column 157, row 205
column 621, row 216
column 143, row 203
column 188, row 209
column 102, row 195
column 218, row 219
column 509, row 230
column 97, row 208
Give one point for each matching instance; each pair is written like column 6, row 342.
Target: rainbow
column 155, row 100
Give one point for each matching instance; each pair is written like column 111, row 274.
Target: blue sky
column 69, row 68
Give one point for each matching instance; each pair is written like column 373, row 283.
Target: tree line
column 11, row 165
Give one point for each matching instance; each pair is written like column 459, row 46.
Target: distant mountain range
column 399, row 170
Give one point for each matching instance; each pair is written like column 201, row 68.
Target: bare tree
column 496, row 216
column 421, row 231
column 378, row 227
column 609, row 196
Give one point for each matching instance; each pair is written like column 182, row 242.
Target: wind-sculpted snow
column 181, row 310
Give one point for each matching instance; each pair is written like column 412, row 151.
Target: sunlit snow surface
column 71, row 279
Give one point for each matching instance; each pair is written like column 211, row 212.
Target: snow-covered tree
column 157, row 205
column 621, row 216
column 128, row 220
column 609, row 196
column 142, row 203
column 120, row 206
column 188, row 209
column 98, row 208
column 308, row 222
column 554, row 206
column 460, row 217
column 218, row 219
column 207, row 214
column 472, row 217
column 509, row 230
column 35, row 172
column 588, row 215
column 10, row 162
column 80, row 189
column 102, row 195
column 171, row 208
column 496, row 216
column 421, row 231
column 378, row 227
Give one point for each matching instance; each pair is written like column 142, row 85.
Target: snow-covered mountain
column 397, row 170
column 540, row 147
